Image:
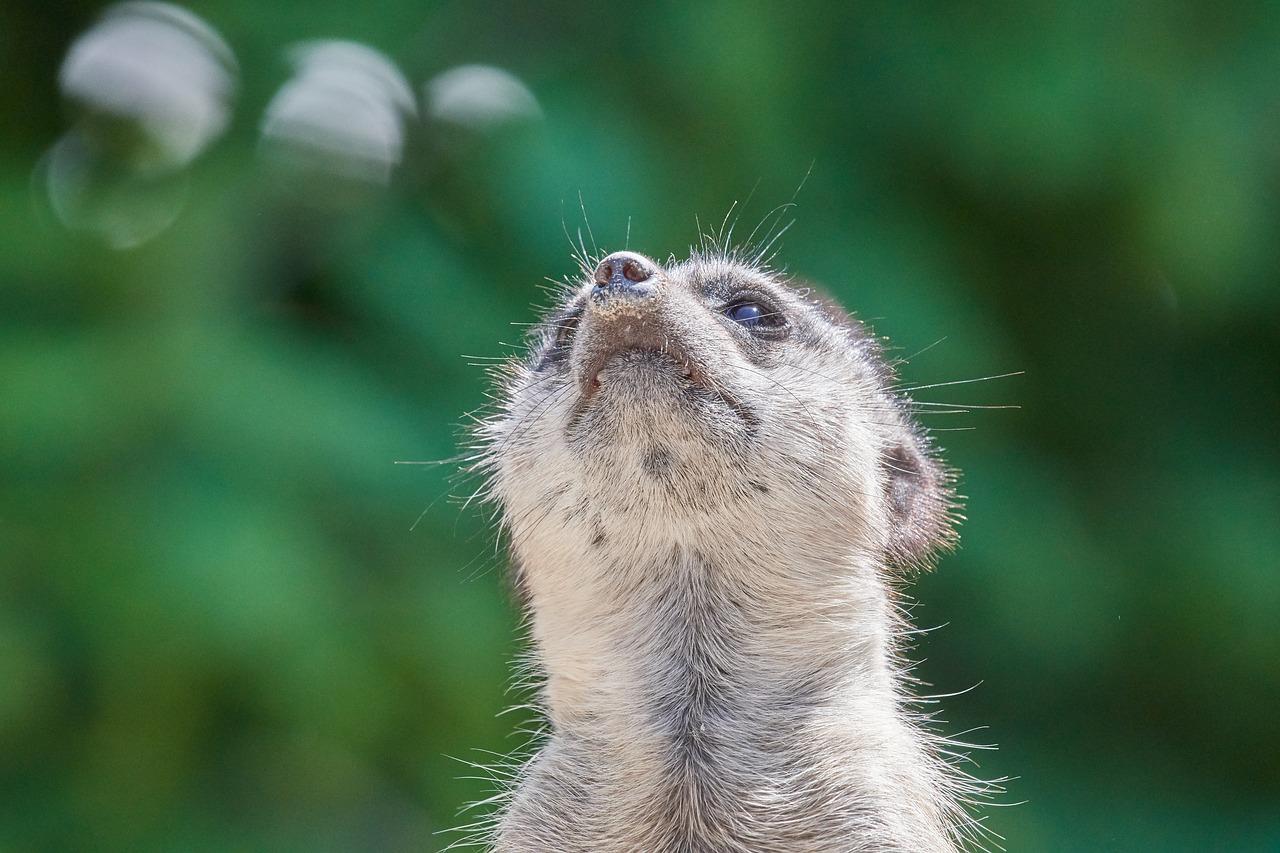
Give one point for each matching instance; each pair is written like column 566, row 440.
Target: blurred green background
column 240, row 279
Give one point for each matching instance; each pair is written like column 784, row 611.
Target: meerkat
column 713, row 494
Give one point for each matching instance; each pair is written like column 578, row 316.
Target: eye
column 750, row 313
column 746, row 313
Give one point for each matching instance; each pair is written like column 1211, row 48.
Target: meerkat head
column 709, row 396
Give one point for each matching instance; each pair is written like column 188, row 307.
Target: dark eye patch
column 565, row 327
column 558, row 339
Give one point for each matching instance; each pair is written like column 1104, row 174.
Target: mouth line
column 688, row 369
column 591, row 378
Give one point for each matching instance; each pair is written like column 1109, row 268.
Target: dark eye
column 746, row 313
column 751, row 313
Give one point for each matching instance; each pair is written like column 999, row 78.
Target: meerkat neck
column 708, row 713
column 686, row 630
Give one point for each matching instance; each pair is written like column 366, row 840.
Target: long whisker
column 960, row 382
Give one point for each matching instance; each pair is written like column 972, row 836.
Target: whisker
column 595, row 248
column 960, row 381
column 918, row 353
column 965, row 406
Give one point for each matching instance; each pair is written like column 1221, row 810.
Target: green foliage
column 228, row 619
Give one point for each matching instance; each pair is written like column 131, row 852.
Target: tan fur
column 709, row 518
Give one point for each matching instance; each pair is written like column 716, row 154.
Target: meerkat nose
column 625, row 272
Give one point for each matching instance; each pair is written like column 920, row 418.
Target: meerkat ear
column 920, row 501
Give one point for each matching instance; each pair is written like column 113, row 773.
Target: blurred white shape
column 480, row 97
column 161, row 67
column 344, row 112
column 151, row 86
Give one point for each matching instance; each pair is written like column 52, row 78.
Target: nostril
column 633, row 271
column 624, row 271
